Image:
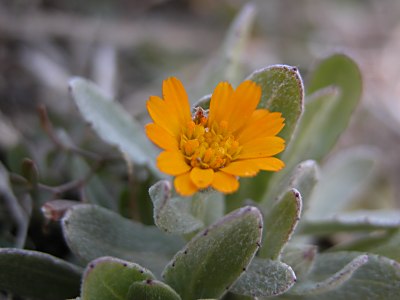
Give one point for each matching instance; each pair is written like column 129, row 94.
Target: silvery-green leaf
column 334, row 281
column 361, row 220
column 389, row 248
column 172, row 214
column 386, row 244
column 303, row 178
column 341, row 178
column 265, row 278
column 351, row 275
column 91, row 232
column 208, row 206
column 213, row 260
column 109, row 278
column 282, row 91
column 111, row 122
column 38, row 275
column 342, row 73
column 300, row 258
column 151, row 290
column 309, row 139
column 280, row 222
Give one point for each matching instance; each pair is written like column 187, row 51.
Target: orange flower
column 211, row 149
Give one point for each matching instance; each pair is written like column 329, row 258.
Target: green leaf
column 172, row 214
column 341, row 178
column 265, row 278
column 112, row 124
column 300, row 258
column 387, row 244
column 333, row 281
column 208, row 206
column 303, row 178
column 91, row 232
column 108, row 278
column 351, row 275
column 225, row 66
column 361, row 220
column 212, row 261
column 389, row 248
column 282, row 91
column 37, row 275
column 310, row 139
column 341, row 72
column 151, row 290
column 280, row 223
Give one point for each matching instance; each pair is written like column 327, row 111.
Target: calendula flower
column 212, row 148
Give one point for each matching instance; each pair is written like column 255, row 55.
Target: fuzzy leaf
column 333, row 281
column 309, row 139
column 341, row 178
column 112, row 124
column 361, row 220
column 280, row 223
column 351, row 275
column 208, row 206
column 342, row 73
column 300, row 258
column 91, row 232
column 265, row 278
column 303, row 178
column 37, row 275
column 282, row 91
column 151, row 290
column 387, row 244
column 389, row 248
column 108, row 278
column 212, row 261
column 172, row 214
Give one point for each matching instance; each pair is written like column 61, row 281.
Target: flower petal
column 269, row 163
column 219, row 103
column 202, row 178
column 244, row 101
column 184, row 185
column 243, row 168
column 164, row 115
column 172, row 163
column 224, row 182
column 161, row 137
column 175, row 96
column 261, row 124
column 262, row 147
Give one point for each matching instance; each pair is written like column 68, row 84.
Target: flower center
column 208, row 146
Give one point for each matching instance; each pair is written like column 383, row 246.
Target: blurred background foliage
column 127, row 48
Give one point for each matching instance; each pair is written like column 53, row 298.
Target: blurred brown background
column 128, row 47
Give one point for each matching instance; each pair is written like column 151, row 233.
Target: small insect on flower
column 212, row 148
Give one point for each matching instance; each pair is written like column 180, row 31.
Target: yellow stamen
column 208, row 145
